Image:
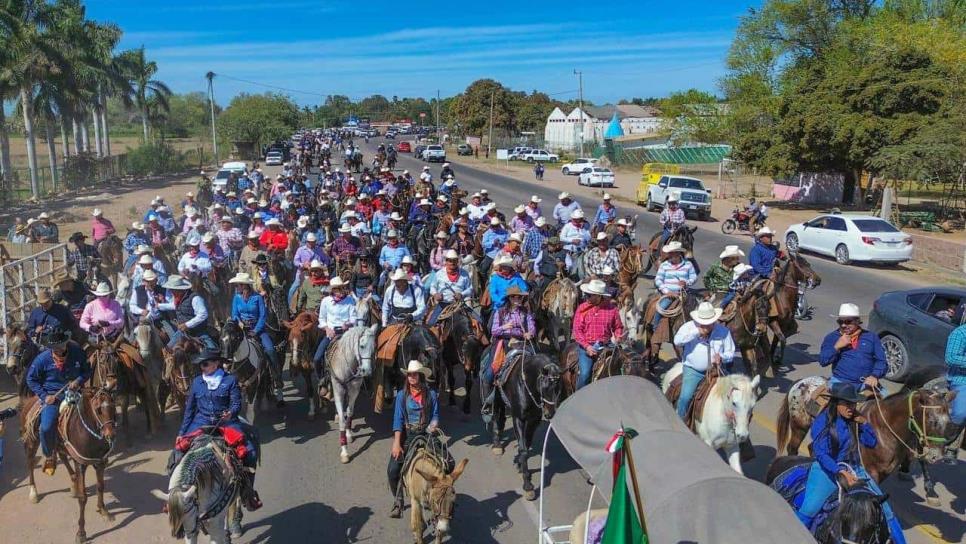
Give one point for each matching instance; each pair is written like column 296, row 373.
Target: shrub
column 155, row 158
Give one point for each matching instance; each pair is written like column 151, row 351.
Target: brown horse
column 747, row 319
column 619, row 360
column 21, row 352
column 910, row 425
column 178, row 372
column 85, row 436
column 303, row 336
column 672, row 318
column 117, row 367
column 781, row 316
column 111, row 250
column 631, row 262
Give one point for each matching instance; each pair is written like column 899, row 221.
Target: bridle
column 917, row 428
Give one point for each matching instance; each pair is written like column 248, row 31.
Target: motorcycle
column 741, row 220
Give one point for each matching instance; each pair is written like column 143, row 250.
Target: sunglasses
column 846, row 321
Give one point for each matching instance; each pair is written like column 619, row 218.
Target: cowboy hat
column 417, row 367
column 273, row 222
column 261, row 258
column 516, row 237
column 563, row 195
column 606, row 196
column 242, row 278
column 425, row 202
column 442, row 198
column 193, row 240
column 595, row 287
column 262, row 202
column 392, row 234
column 494, row 221
column 673, row 197
column 103, row 289
column 146, row 259
column 476, row 195
column 252, row 235
column 515, row 290
column 77, row 236
column 258, row 215
column 176, row 282
column 848, row 309
column 337, row 283
column 502, row 260
column 845, row 392
column 706, row 314
column 317, row 264
column 61, row 277
column 578, row 214
column 765, row 231
column 399, row 275
column 740, row 270
column 43, row 297
column 535, row 199
column 97, row 212
column 345, row 228
column 601, row 236
column 451, row 254
column 407, row 260
column 441, row 235
column 622, row 222
column 468, row 259
column 302, row 222
column 484, row 192
column 672, row 247
column 205, row 355
column 731, row 251
column 607, row 271
column 520, row 209
column 190, row 211
column 464, row 211
column 43, row 215
column 149, row 275
column 540, row 221
column 394, row 216
column 144, row 248
column 425, row 168
column 311, row 237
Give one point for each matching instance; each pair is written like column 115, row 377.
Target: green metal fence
column 79, row 171
column 637, row 156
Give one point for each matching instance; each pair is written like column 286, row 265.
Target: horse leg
column 529, row 427
column 234, row 518
column 101, row 509
column 416, row 521
column 352, row 394
column 733, row 452
column 310, row 392
column 162, row 393
column 30, row 452
column 81, row 488
column 68, row 465
column 338, row 394
column 797, row 435
column 497, row 424
column 778, row 340
column 932, row 499
column 468, row 386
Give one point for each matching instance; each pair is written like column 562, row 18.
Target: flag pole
column 637, row 491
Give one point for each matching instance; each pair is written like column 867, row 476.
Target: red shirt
column 597, row 323
column 272, row 239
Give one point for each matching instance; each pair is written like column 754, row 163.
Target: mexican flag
column 623, row 524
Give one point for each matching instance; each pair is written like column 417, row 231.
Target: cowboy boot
column 50, row 465
column 248, row 494
column 235, row 524
column 951, row 452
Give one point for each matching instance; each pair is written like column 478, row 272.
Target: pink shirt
column 103, row 309
column 101, row 228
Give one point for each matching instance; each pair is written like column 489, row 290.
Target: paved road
column 310, row 496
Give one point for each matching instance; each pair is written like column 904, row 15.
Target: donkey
column 431, row 490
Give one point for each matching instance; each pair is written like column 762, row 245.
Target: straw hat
column 345, row 228
column 43, row 215
column 425, row 202
column 252, row 235
column 502, row 260
column 103, row 289
column 765, row 231
column 622, row 222
column 43, row 297
column 417, row 367
column 563, row 195
column 408, row 260
column 394, row 216
column 520, row 209
column 578, row 214
column 516, row 237
column 540, row 221
column 451, row 254
column 392, row 234
column 706, row 314
column 740, row 269
column 177, row 283
column 516, row 291
column 316, row 264
column 242, row 278
column 144, row 249
column 673, row 197
column 673, row 247
column 137, row 225
column 595, row 287
column 399, row 274
column 535, row 199
column 149, row 275
column 337, row 283
column 601, row 236
column 606, row 196
column 731, row 251
column 441, row 235
column 146, row 259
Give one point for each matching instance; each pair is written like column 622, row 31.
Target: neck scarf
column 214, row 379
column 59, row 361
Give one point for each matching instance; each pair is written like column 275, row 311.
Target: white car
column 596, row 177
column 851, row 238
column 274, row 158
column 221, row 178
column 578, row 166
column 540, row 155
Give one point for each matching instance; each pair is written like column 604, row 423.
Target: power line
column 268, row 86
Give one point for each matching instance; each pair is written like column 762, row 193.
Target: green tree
column 259, row 118
column 145, row 89
column 189, row 115
column 471, row 109
column 693, row 116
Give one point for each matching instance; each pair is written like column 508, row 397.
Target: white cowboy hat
column 252, row 235
column 484, row 192
column 606, row 196
column 441, row 235
column 442, row 197
column 250, row 200
column 673, row 246
column 494, row 221
column 243, row 278
column 311, row 237
column 189, row 194
column 502, row 260
column 476, row 195
column 273, row 222
column 673, row 197
column 137, row 225
column 405, row 172
column 468, row 259
column 399, row 274
column 449, row 181
column 43, row 215
column 258, row 215
column 740, row 269
column 193, row 240
column 103, row 289
column 208, row 238
column 731, row 251
column 407, row 260
column 345, row 228
column 364, row 196
column 540, row 221
column 578, row 214
column 595, row 287
column 97, row 212
column 601, row 236
column 464, row 211
column 520, row 209
column 417, row 367
column 149, row 275
column 451, row 254
column 316, row 264
column 302, row 222
column 263, row 203
column 392, row 234
column 608, row 271
column 163, row 209
column 445, row 164
column 395, row 216
column 337, row 282
column 764, row 231
column 516, row 237
column 425, row 202
column 535, row 199
column 848, row 310
column 622, row 222
column 143, row 248
column 706, row 314
column 425, row 168
column 232, row 193
column 146, row 259
column 563, row 195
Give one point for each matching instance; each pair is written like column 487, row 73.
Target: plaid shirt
column 597, row 323
column 956, row 356
column 533, row 242
column 343, row 248
column 676, row 218
column 597, row 260
column 81, row 258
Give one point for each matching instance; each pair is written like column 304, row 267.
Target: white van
column 221, row 178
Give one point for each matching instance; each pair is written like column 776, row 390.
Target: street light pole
column 489, row 143
column 439, row 138
column 211, row 99
column 580, row 79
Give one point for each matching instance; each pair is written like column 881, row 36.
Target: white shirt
column 426, row 176
column 695, row 349
column 412, row 297
column 571, row 232
column 337, row 315
column 477, row 212
column 152, row 308
column 360, row 229
column 200, row 264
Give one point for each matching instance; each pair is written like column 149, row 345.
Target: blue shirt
column 605, row 215
column 853, row 365
column 847, row 451
column 955, row 356
column 411, row 411
column 43, row 377
column 498, row 287
column 250, row 311
column 58, row 317
column 204, row 406
column 762, row 258
column 392, row 256
column 493, row 241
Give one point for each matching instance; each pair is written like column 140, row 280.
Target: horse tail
column 784, row 424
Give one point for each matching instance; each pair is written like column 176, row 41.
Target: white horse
column 726, row 419
column 351, row 361
column 199, row 486
column 631, row 313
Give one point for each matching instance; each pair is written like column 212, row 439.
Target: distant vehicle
column 596, row 177
column 226, row 170
column 418, row 151
column 540, row 155
column 914, row 326
column 434, row 153
column 390, row 135
column 851, row 238
column 691, row 193
column 404, row 147
column 578, row 166
column 464, row 149
column 517, row 153
column 274, row 158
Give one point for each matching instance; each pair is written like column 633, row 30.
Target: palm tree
column 144, row 87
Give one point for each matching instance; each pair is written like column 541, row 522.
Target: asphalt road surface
column 310, row 496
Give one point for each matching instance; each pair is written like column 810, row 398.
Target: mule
column 85, row 437
column 725, row 419
column 432, row 492
column 555, row 311
column 303, row 336
column 530, row 392
column 350, row 360
column 124, row 378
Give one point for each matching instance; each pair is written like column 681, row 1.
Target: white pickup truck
column 692, row 196
column 434, row 153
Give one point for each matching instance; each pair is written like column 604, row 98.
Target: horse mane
column 302, row 322
column 729, row 382
column 861, row 508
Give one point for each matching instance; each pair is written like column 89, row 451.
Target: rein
column 918, row 431
column 95, row 434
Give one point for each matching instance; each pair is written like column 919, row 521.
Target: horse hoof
column 529, row 494
column 905, row 476
column 81, row 538
column 933, row 501
column 497, row 450
column 33, row 495
column 106, row 515
column 344, row 458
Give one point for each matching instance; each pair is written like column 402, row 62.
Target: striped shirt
column 671, row 278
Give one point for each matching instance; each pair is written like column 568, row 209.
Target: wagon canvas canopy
column 689, row 493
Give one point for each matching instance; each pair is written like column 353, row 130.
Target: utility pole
column 211, row 100
column 439, row 137
column 580, row 79
column 489, row 143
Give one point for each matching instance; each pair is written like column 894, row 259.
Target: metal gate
column 22, row 279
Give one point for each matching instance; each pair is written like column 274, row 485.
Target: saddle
column 693, row 416
column 571, row 366
column 388, row 342
column 663, row 332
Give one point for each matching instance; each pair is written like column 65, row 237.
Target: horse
column 910, row 424
column 530, row 390
column 463, row 343
column 432, row 492
column 672, row 318
column 350, row 360
column 85, row 436
column 147, row 340
column 747, row 319
column 858, row 515
column 178, row 372
column 617, row 360
column 248, row 362
column 725, row 419
column 303, row 337
column 781, row 317
column 124, row 378
column 111, row 250
column 630, row 265
column 556, row 309
column 201, row 494
column 21, row 352
column 653, row 256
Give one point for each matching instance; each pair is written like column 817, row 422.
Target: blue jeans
column 486, row 373
column 48, row 427
column 585, row 366
column 690, row 380
column 665, row 235
column 818, row 488
column 662, row 304
column 295, row 285
column 269, row 348
column 319, row 357
column 957, row 410
column 205, row 339
column 727, row 298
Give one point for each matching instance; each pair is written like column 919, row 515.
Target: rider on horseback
column 145, row 302
column 743, row 277
column 248, row 309
column 47, row 319
column 194, row 261
column 672, row 218
column 596, row 323
column 565, row 209
column 103, row 315
column 763, row 254
column 601, row 257
column 856, row 355
column 83, row 257
column 521, row 222
column 512, row 325
column 719, row 276
column 101, row 228
column 621, row 240
column 704, row 343
column 575, row 234
column 190, row 312
column 450, row 284
column 403, row 302
column 606, row 213
column 536, row 237
column 553, row 259
column 337, row 314
column 673, row 277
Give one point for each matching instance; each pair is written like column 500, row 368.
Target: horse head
column 183, row 515
column 859, row 518
column 738, row 399
column 367, row 347
column 17, row 341
column 802, row 270
column 144, row 335
column 231, row 337
column 549, row 385
column 442, row 495
column 101, row 404
column 929, row 418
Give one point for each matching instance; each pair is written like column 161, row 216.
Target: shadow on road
column 312, row 522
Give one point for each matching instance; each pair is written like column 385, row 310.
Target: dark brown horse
column 781, row 316
column 303, row 336
column 677, row 314
column 116, row 366
column 21, row 352
column 85, row 437
column 619, row 360
column 653, row 256
column 463, row 342
column 178, row 372
column 111, row 250
column 747, row 319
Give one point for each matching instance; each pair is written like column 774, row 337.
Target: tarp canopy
column 614, row 129
column 690, row 495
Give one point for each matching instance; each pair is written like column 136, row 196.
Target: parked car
column 851, row 238
column 390, row 135
column 404, row 147
column 914, row 326
column 464, row 149
column 578, row 166
column 434, row 153
column 693, row 197
column 517, row 153
column 540, row 155
column 418, row 151
column 596, row 177
column 274, row 158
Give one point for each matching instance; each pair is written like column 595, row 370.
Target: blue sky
column 413, row 48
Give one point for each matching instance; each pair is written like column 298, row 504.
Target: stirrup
column 396, row 511
column 50, row 466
